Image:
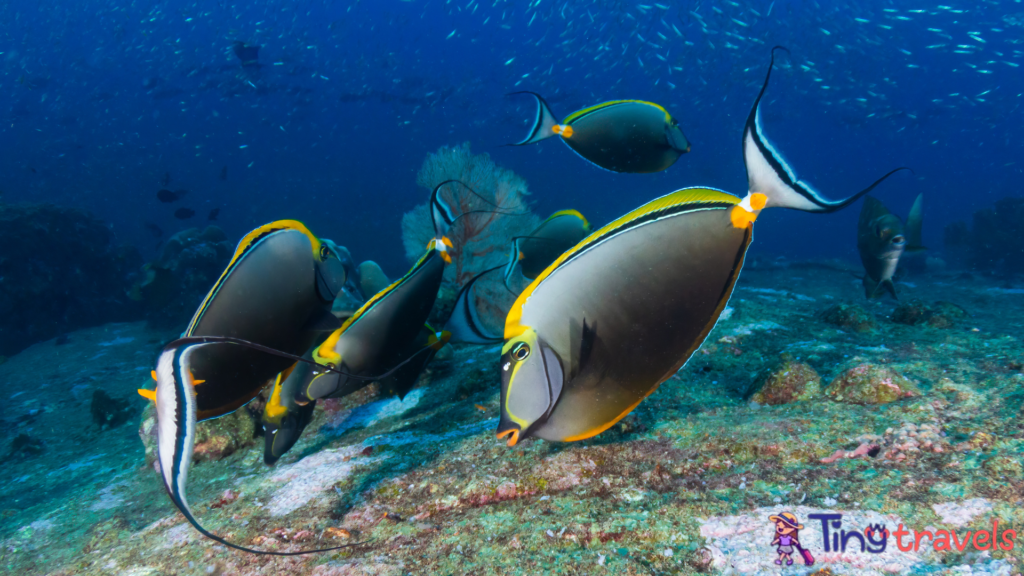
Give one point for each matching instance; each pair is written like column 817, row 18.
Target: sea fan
column 480, row 240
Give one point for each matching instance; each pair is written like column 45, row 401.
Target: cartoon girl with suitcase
column 787, row 533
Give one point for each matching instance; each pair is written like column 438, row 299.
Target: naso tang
column 619, row 313
column 621, row 135
column 882, row 240
column 538, row 249
column 276, row 292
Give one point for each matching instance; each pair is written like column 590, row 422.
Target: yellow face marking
column 567, row 132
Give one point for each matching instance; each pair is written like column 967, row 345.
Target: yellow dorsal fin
column 152, row 374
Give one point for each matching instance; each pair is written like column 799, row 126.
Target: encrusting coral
column 480, row 240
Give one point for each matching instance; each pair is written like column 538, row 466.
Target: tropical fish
column 376, row 337
column 212, row 216
column 154, row 229
column 537, row 250
column 276, row 292
column 620, row 135
column 184, row 213
column 371, row 278
column 615, row 316
column 246, row 54
column 167, row 196
column 464, row 323
column 881, row 240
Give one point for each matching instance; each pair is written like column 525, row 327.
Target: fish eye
column 521, row 351
column 325, row 252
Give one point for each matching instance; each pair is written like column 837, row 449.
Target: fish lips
column 530, row 389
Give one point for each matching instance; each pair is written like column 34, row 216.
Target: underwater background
column 104, row 105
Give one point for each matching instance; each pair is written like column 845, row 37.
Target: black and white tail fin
column 464, row 324
column 176, row 426
column 768, row 172
column 542, row 125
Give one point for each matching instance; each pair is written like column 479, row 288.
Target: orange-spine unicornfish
column 618, row 314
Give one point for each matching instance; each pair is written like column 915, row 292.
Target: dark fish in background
column 213, row 214
column 166, row 179
column 880, row 241
column 914, row 259
column 248, row 55
column 157, row 232
column 621, row 135
column 167, row 196
column 224, row 173
column 184, row 213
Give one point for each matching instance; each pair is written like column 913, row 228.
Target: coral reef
column 481, row 240
column 870, row 384
column 685, row 487
column 995, row 241
column 790, row 381
column 938, row 315
column 849, row 316
column 172, row 286
column 59, row 271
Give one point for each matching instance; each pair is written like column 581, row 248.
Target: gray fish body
column 554, row 236
column 627, row 137
column 880, row 242
column 273, row 294
column 378, row 335
column 654, row 288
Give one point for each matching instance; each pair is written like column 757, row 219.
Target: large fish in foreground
column 276, row 292
column 621, row 135
column 615, row 316
column 881, row 240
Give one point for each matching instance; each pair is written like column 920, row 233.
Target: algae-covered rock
column 870, row 384
column 60, row 271
column 788, row 382
column 848, row 316
column 215, row 438
column 938, row 315
column 170, row 287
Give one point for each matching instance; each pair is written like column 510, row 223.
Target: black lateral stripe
column 668, row 211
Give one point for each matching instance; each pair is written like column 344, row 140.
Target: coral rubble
column 790, row 381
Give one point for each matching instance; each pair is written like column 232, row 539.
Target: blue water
column 101, row 99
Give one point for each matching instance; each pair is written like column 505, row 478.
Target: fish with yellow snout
column 275, row 295
column 620, row 135
column 387, row 335
column 619, row 313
